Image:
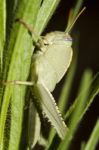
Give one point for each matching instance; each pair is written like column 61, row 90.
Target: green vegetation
column 16, row 50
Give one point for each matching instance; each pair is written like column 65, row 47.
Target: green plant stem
column 94, row 138
column 2, row 29
column 85, row 97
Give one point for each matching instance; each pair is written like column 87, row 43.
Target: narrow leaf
column 93, row 91
column 2, row 29
column 94, row 138
column 18, row 98
column 21, row 45
column 47, row 9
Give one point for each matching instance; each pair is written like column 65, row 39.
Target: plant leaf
column 94, row 138
column 91, row 92
column 2, row 29
column 21, row 45
column 47, row 9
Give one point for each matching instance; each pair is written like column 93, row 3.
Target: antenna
column 68, row 29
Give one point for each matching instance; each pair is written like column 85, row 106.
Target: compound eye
column 67, row 37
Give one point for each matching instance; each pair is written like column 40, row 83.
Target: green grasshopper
column 49, row 64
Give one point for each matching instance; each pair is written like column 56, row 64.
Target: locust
column 50, row 63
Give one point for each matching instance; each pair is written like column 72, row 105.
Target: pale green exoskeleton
column 49, row 64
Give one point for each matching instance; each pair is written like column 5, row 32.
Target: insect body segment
column 53, row 62
column 50, row 109
column 49, row 64
column 57, row 37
